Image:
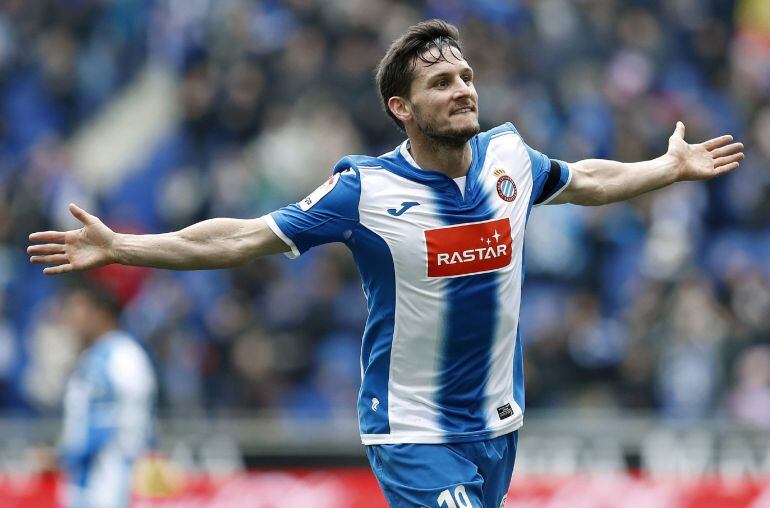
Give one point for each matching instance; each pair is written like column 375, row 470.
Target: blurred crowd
column 660, row 304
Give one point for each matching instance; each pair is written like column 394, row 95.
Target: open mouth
column 468, row 109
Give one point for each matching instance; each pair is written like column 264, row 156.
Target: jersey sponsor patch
column 322, row 190
column 504, row 411
column 466, row 249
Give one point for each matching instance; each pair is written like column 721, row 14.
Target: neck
column 451, row 160
column 99, row 329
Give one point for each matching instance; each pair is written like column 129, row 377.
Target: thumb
column 679, row 130
column 81, row 215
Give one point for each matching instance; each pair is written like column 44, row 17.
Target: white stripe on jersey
column 418, row 330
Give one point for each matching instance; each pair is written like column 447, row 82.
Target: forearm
column 599, row 182
column 213, row 243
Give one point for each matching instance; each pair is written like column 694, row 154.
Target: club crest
column 506, row 189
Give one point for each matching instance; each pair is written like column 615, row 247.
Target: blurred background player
column 108, row 404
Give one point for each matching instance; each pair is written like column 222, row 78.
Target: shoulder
column 129, row 353
column 387, row 169
column 95, row 361
column 505, row 142
column 506, row 129
column 504, row 135
column 130, row 368
column 356, row 163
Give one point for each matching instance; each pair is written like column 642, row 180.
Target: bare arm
column 598, row 182
column 213, row 243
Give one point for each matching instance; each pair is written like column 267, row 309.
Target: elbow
column 585, row 187
column 237, row 253
column 591, row 192
column 596, row 197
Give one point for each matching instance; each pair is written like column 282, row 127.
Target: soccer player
column 436, row 227
column 108, row 404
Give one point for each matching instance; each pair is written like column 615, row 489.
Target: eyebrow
column 445, row 74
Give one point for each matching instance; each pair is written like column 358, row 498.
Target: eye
column 467, row 78
column 442, row 83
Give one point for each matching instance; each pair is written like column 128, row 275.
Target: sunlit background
column 646, row 324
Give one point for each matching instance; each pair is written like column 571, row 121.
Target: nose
column 462, row 90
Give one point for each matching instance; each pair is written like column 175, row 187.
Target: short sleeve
column 328, row 214
column 549, row 177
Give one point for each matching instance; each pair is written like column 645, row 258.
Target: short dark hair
column 396, row 69
column 98, row 294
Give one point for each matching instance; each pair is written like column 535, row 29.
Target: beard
column 452, row 137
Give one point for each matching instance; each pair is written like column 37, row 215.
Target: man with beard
column 436, row 227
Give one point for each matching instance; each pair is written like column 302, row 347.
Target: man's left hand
column 706, row 160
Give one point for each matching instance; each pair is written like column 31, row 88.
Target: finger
column 728, row 167
column 727, row 150
column 679, row 130
column 81, row 215
column 55, row 259
column 722, row 161
column 48, row 248
column 55, row 270
column 48, row 236
column 717, row 142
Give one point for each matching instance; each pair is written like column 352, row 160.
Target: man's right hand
column 71, row 251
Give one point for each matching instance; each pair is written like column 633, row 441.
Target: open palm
column 705, row 160
column 71, row 251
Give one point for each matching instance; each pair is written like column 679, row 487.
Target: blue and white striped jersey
column 108, row 414
column 442, row 273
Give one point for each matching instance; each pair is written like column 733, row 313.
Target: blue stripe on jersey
column 466, row 351
column 518, row 354
column 518, row 368
column 375, row 264
column 465, row 362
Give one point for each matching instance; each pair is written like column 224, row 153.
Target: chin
column 465, row 130
column 455, row 134
column 466, row 125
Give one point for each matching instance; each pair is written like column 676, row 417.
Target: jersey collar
column 403, row 149
column 415, row 172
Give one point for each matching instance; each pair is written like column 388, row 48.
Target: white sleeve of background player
column 133, row 379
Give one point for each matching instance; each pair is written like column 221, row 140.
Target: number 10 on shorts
column 460, row 499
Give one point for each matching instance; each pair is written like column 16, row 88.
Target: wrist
column 672, row 167
column 116, row 250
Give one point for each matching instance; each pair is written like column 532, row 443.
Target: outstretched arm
column 213, row 243
column 598, row 182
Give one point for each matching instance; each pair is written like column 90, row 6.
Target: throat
column 453, row 161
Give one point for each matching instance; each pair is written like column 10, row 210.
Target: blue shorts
column 454, row 475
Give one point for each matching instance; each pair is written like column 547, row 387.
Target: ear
column 401, row 108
